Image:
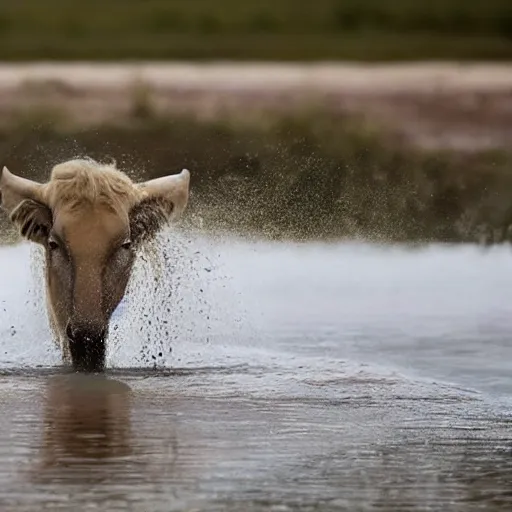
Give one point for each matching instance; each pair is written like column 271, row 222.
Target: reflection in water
column 86, row 423
column 98, row 438
column 166, row 444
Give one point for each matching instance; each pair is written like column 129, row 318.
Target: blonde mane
column 85, row 182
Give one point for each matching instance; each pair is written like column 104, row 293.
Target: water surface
column 251, row 376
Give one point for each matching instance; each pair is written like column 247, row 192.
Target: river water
column 255, row 376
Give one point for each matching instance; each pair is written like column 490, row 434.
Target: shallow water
column 306, row 377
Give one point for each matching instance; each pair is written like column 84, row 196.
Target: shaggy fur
column 82, row 183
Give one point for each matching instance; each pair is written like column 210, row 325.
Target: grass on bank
column 267, row 29
column 310, row 175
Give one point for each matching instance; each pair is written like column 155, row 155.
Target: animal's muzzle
column 87, row 348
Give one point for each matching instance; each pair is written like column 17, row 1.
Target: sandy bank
column 463, row 106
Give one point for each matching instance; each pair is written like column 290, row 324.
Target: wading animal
column 91, row 219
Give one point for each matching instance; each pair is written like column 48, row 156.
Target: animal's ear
column 34, row 220
column 22, row 200
column 163, row 200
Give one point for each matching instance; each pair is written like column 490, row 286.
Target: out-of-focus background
column 313, row 119
column 265, row 30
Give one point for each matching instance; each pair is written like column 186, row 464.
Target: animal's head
column 90, row 218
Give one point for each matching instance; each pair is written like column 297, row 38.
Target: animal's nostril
column 87, row 346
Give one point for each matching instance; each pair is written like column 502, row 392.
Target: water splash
column 25, row 338
column 179, row 295
column 180, row 309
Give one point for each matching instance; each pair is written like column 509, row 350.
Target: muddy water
column 269, row 377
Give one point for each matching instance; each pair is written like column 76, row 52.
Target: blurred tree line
column 267, row 29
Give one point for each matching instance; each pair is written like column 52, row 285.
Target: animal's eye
column 52, row 245
column 127, row 245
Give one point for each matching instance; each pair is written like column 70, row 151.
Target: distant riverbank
column 465, row 107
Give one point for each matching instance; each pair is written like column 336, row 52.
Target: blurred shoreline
column 419, row 75
column 459, row 106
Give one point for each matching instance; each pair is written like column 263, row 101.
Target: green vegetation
column 267, row 29
column 311, row 175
